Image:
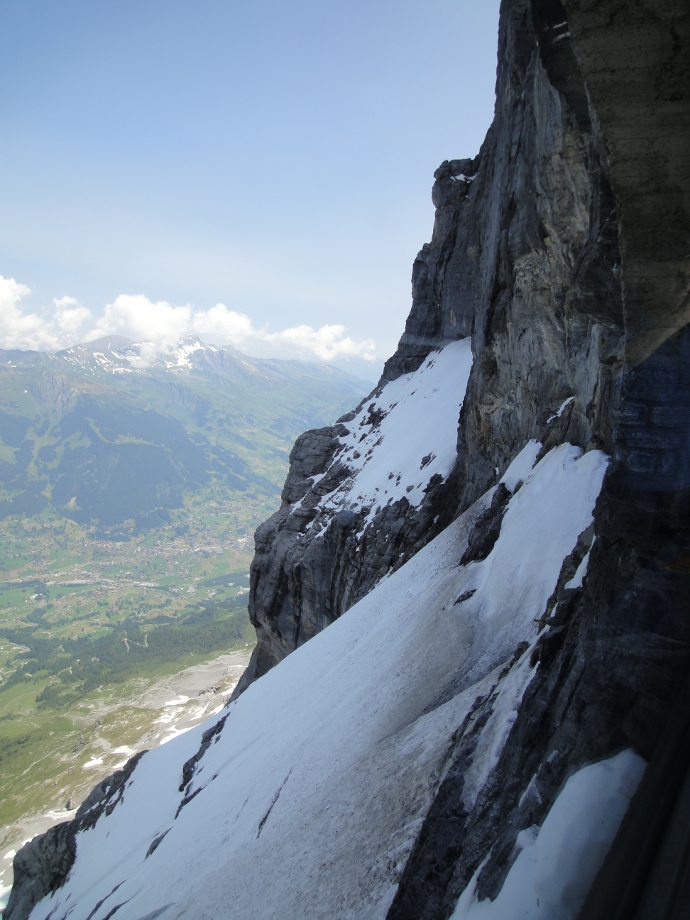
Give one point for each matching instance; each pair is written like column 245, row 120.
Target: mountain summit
column 119, row 355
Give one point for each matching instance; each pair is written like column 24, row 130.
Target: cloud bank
column 161, row 325
column 24, row 330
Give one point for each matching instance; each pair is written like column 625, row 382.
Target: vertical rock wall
column 562, row 249
column 524, row 258
column 604, row 291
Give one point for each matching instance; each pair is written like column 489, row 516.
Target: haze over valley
column 130, row 489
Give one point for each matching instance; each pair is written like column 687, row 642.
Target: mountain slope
column 524, row 259
column 341, row 740
column 129, row 490
column 465, row 739
column 104, row 434
column 357, row 499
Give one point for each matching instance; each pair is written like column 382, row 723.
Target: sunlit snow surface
column 313, row 794
column 398, row 441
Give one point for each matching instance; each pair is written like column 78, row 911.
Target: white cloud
column 136, row 316
column 31, row 331
column 226, row 326
column 161, row 325
column 327, row 343
column 70, row 315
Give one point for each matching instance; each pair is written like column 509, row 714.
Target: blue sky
column 274, row 158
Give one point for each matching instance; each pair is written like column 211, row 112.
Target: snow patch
column 402, row 438
column 351, row 717
column 494, row 735
column 578, row 578
column 561, row 410
column 557, row 863
column 521, row 467
column 540, row 528
column 122, row 750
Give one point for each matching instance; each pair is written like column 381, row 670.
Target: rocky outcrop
column 443, row 277
column 329, row 543
column 43, row 864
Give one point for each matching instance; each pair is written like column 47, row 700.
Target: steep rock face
column 443, row 291
column 636, row 57
column 524, row 259
column 361, row 497
column 562, row 250
column 608, row 675
column 413, row 754
column 547, row 322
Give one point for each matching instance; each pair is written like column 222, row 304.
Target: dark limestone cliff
column 586, row 295
column 563, row 250
column 525, row 258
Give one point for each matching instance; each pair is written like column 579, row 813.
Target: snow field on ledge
column 312, row 796
column 403, row 437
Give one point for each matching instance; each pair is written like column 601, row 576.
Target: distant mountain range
column 117, row 354
column 114, row 434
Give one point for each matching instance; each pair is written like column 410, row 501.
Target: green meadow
column 127, row 510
